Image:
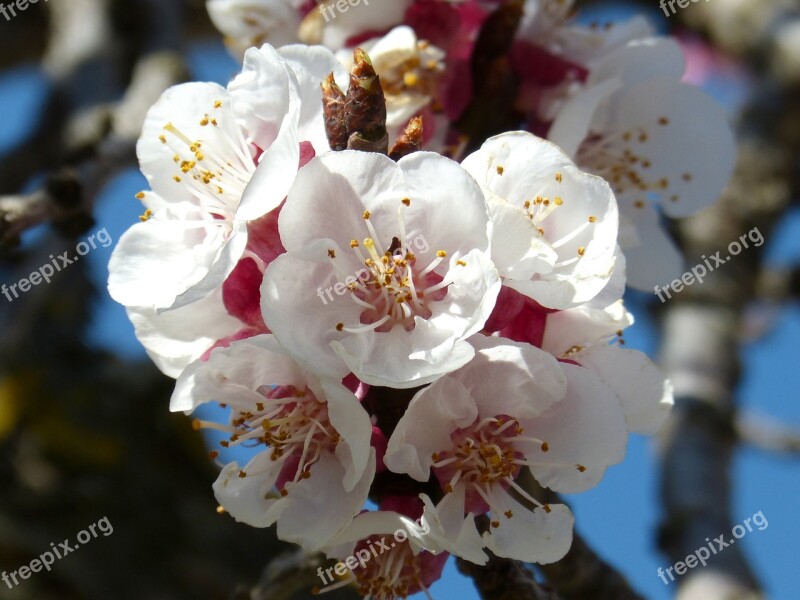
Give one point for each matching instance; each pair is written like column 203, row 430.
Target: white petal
column 352, row 422
column 176, row 338
column 266, row 97
column 519, row 254
column 433, row 414
column 695, row 152
column 573, row 122
column 645, row 392
column 232, row 375
column 640, row 60
column 586, row 429
column 403, row 359
column 536, row 536
column 652, row 258
column 311, row 64
column 158, row 260
column 246, row 498
column 585, row 325
column 221, row 266
column 244, row 23
column 322, row 494
column 184, row 107
column 296, row 309
column 511, row 378
column 450, row 530
column 325, row 206
column 359, row 18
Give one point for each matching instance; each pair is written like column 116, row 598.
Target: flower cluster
column 609, row 95
column 442, row 376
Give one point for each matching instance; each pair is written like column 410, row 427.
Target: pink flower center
column 484, row 455
column 293, row 423
column 393, row 286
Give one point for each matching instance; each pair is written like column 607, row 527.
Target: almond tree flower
column 316, row 433
column 388, row 552
column 549, row 25
column 550, row 55
column 555, row 227
column 206, row 221
column 513, row 406
column 210, row 176
column 387, row 270
column 248, row 23
column 409, row 69
column 661, row 144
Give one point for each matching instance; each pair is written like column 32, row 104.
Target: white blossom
column 406, row 323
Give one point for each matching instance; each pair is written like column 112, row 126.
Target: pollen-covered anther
column 410, row 79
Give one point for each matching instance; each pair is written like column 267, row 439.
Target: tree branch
column 702, row 331
column 770, row 435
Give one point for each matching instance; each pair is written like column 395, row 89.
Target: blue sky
column 619, row 516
